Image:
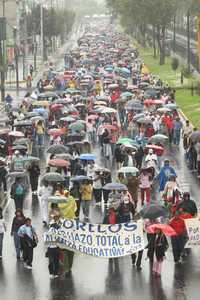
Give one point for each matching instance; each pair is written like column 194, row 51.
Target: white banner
column 193, row 230
column 104, row 241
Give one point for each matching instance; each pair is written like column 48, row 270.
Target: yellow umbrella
column 43, row 103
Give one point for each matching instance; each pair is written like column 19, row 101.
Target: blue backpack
column 19, row 191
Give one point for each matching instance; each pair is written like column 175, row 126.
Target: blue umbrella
column 114, row 186
column 109, row 69
column 80, row 178
column 171, row 105
column 87, row 156
column 2, row 142
column 40, row 110
column 125, row 70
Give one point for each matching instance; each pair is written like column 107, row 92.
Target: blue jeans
column 1, row 243
column 40, row 139
column 176, row 137
column 17, row 243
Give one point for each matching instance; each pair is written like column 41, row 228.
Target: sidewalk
column 57, row 59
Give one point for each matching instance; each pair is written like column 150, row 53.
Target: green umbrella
column 52, row 177
column 158, row 138
column 76, row 126
column 131, row 170
column 19, row 147
column 67, row 119
column 125, row 140
column 126, row 94
column 57, row 199
column 22, row 141
column 30, row 159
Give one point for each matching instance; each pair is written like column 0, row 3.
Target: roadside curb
column 3, row 199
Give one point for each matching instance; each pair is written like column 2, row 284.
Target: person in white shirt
column 97, row 187
column 44, row 193
column 186, row 132
column 151, row 160
column 156, row 124
column 2, row 231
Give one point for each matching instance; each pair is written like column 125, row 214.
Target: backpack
column 112, row 218
column 19, row 190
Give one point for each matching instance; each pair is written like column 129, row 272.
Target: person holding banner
column 127, row 213
column 53, row 252
column 113, row 216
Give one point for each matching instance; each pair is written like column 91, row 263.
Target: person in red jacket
column 178, row 241
column 168, row 122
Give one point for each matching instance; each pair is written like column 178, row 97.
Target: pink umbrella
column 58, row 162
column 56, row 107
column 165, row 228
column 16, row 134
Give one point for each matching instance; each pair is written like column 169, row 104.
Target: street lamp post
column 16, row 53
column 188, row 40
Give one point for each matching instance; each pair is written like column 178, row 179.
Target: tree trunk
column 154, row 41
column 161, row 43
column 143, row 34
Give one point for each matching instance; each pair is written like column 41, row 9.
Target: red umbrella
column 58, row 162
column 165, row 228
column 56, row 107
column 16, row 134
column 55, row 132
column 110, row 127
column 158, row 149
column 153, row 102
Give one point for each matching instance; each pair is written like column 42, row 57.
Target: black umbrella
column 188, row 206
column 57, row 149
column 153, row 211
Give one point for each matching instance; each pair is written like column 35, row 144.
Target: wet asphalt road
column 94, row 279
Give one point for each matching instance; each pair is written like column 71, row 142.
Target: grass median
column 188, row 103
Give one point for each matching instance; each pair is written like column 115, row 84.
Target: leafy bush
column 175, row 63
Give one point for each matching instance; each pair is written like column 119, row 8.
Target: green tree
column 143, row 13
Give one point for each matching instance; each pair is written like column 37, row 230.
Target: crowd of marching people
column 105, row 124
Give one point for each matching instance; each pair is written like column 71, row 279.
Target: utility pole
column 2, row 52
column 188, row 40
column 42, row 30
column 16, row 52
column 35, row 47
